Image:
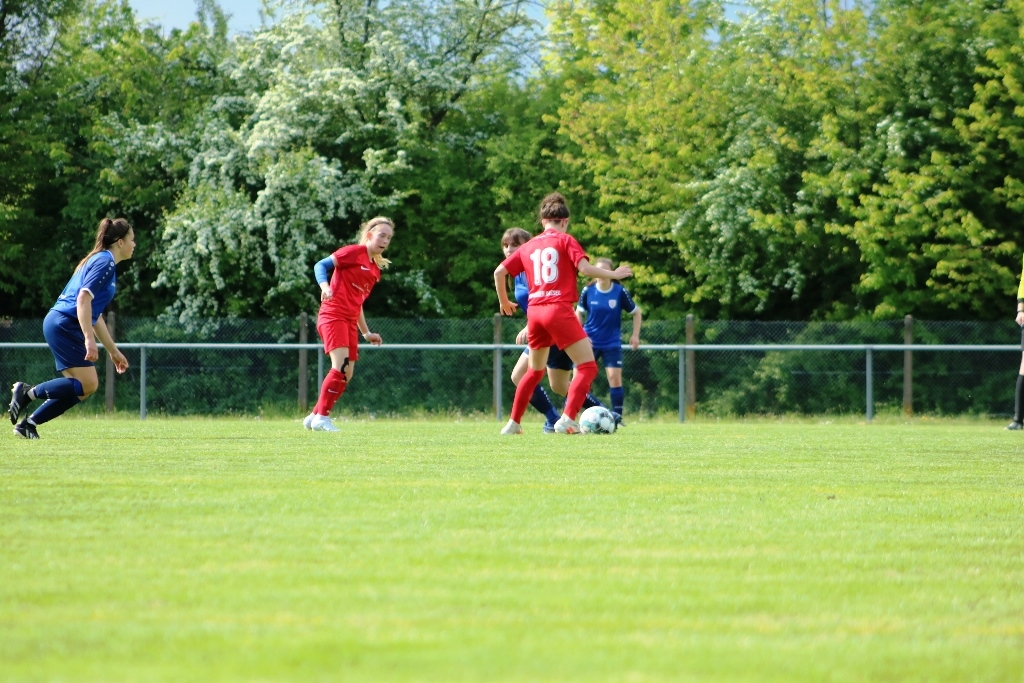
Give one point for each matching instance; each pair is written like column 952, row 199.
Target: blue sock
column 62, row 387
column 542, row 402
column 590, row 401
column 618, row 398
column 55, row 407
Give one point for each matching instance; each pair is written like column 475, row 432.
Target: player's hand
column 508, row 308
column 120, row 362
column 373, row 338
column 523, row 336
column 92, row 353
column 326, row 294
column 634, row 342
column 623, row 272
column 1020, row 319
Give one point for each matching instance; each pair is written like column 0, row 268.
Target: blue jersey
column 522, row 291
column 604, row 314
column 99, row 277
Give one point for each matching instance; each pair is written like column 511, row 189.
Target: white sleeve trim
column 86, row 289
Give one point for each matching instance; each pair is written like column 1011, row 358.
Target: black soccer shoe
column 26, row 430
column 1015, row 426
column 19, row 401
column 619, row 422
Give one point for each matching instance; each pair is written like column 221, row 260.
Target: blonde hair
column 603, row 259
column 369, row 226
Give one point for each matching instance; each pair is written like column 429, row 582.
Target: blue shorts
column 557, row 358
column 612, row 356
column 67, row 343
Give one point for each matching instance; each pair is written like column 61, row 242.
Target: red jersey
column 354, row 276
column 550, row 261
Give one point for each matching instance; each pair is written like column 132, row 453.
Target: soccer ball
column 597, row 420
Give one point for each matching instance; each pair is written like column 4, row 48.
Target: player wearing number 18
column 552, row 260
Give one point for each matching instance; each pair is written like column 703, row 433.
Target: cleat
column 619, row 422
column 1015, row 426
column 19, row 401
column 512, row 427
column 323, row 423
column 26, row 430
column 567, row 425
column 549, row 427
column 307, row 421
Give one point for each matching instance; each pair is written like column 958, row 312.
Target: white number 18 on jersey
column 545, row 265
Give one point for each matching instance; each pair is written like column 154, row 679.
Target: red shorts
column 338, row 334
column 553, row 325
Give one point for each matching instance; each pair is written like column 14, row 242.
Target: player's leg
column 61, row 394
column 540, row 399
column 531, row 378
column 582, row 355
column 1018, row 396
column 613, row 370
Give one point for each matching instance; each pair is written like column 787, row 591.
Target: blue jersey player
column 559, row 365
column 71, row 329
column 600, row 309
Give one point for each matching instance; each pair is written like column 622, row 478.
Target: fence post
column 498, row 408
column 142, row 382
column 319, row 372
column 691, row 371
column 908, row 367
column 303, row 363
column 682, row 385
column 869, row 388
column 110, row 319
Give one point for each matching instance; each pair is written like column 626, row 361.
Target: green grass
column 201, row 549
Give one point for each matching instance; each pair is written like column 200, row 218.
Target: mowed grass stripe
column 251, row 549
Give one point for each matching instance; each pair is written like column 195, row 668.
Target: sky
column 171, row 14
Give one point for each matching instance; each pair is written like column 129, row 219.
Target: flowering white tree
column 319, row 110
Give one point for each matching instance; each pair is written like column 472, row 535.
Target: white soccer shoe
column 307, row 421
column 323, row 423
column 566, row 425
column 512, row 428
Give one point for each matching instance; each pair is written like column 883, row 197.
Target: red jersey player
column 552, row 261
column 341, row 320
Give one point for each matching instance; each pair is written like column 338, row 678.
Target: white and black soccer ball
column 597, row 420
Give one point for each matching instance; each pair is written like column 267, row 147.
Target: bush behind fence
column 187, row 381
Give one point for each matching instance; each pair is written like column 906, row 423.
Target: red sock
column 580, row 387
column 524, row 392
column 330, row 391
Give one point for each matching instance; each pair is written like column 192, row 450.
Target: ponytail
column 368, row 227
column 109, row 232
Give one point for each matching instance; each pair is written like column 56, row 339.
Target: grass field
column 231, row 549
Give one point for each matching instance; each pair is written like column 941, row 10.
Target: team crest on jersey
column 611, row 303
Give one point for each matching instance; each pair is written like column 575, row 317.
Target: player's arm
column 83, row 307
column 507, row 307
column 581, row 306
column 322, row 270
column 364, row 330
column 1020, row 300
column 634, row 339
column 120, row 362
column 586, row 269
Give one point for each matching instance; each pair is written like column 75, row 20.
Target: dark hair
column 515, row 236
column 553, row 207
column 109, row 232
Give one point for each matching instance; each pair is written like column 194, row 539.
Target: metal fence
column 685, row 367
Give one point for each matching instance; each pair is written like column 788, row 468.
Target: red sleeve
column 574, row 251
column 346, row 257
column 514, row 263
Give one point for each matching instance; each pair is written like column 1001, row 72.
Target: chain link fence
column 390, row 381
